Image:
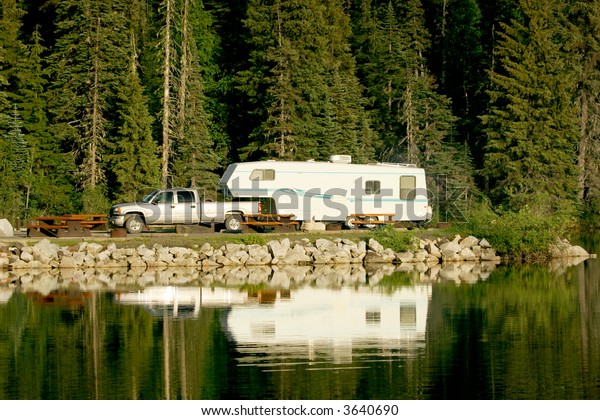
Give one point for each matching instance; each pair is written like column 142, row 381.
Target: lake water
column 468, row 332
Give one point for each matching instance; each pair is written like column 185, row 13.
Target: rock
column 432, row 249
column 577, row 251
column 313, row 226
column 450, row 248
column 469, row 242
column 450, row 255
column 295, row 256
column 44, row 251
column 373, row 257
column 405, row 257
column 278, row 249
column 206, row 250
column 6, row 229
column 26, row 257
column 325, row 245
column 484, row 243
column 234, row 248
column 180, row 252
column 94, row 249
column 420, row 256
column 466, row 254
column 375, row 246
column 489, row 254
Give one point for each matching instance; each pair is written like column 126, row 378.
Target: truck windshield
column 150, row 196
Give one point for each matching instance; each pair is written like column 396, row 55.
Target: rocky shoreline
column 284, row 252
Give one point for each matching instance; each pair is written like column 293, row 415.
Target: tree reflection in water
column 345, row 332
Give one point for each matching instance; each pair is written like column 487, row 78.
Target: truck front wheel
column 233, row 222
column 134, row 224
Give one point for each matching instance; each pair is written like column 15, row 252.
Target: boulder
column 450, row 248
column 469, row 242
column 6, row 229
column 278, row 249
column 375, row 246
column 45, row 251
column 313, row 226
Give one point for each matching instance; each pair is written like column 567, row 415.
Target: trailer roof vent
column 340, row 159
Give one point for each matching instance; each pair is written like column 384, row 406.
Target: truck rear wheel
column 233, row 222
column 134, row 224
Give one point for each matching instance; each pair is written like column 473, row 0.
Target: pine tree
column 412, row 118
column 300, row 59
column 134, row 156
column 86, row 70
column 458, row 61
column 532, row 122
column 195, row 159
column 585, row 19
column 42, row 184
column 345, row 101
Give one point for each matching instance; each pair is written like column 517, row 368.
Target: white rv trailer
column 334, row 191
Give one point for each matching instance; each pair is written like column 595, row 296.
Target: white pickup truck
column 179, row 206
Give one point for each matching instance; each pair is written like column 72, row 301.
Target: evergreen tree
column 195, row 159
column 412, row 118
column 14, row 174
column 50, row 170
column 585, row 19
column 19, row 159
column 43, row 185
column 457, row 59
column 11, row 50
column 300, row 57
column 134, row 156
column 532, row 122
column 345, row 102
column 86, row 71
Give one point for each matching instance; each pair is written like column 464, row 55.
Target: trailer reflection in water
column 270, row 327
column 331, row 326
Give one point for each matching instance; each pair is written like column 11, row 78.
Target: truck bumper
column 117, row 220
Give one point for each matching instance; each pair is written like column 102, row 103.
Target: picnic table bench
column 69, row 226
column 279, row 222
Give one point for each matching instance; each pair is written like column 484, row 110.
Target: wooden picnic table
column 279, row 222
column 69, row 226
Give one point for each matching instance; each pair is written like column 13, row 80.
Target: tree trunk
column 96, row 116
column 583, row 146
column 166, row 143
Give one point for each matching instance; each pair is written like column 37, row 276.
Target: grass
column 169, row 238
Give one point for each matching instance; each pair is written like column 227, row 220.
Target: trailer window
column 372, row 187
column 262, row 175
column 408, row 185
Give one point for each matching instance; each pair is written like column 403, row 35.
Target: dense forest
column 102, row 99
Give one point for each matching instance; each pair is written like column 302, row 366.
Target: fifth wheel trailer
column 334, row 191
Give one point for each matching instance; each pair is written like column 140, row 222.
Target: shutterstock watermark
column 180, row 205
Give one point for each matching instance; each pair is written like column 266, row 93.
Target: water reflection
column 345, row 332
column 45, row 281
column 326, row 325
column 181, row 301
